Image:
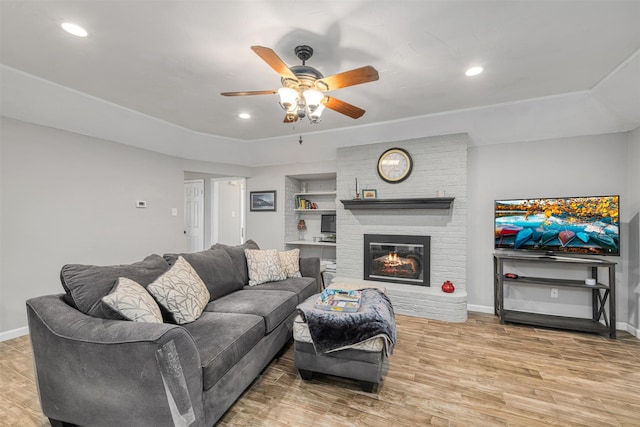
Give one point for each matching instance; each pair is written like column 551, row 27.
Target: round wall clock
column 395, row 165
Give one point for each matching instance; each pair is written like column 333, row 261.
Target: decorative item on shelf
column 448, row 287
column 440, row 193
column 357, row 196
column 301, row 229
column 369, row 194
column 303, row 186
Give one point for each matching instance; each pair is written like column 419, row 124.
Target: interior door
column 228, row 208
column 194, row 214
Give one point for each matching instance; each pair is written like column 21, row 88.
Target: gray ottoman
column 364, row 361
column 361, row 365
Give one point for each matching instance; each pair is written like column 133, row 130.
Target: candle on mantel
column 356, row 185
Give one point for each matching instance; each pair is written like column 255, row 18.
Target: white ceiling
column 171, row 59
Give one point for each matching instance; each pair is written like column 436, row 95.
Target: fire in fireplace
column 397, row 258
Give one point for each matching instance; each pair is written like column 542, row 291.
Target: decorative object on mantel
column 412, row 203
column 302, row 226
column 395, row 165
column 448, row 287
column 357, row 196
column 369, row 194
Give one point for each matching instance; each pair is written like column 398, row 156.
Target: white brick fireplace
column 440, row 165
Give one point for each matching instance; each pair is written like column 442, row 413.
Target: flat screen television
column 580, row 225
column 328, row 223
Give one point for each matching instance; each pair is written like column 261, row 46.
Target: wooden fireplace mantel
column 413, row 203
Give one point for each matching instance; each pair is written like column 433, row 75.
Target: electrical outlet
column 554, row 292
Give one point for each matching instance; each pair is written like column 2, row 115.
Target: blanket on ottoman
column 333, row 331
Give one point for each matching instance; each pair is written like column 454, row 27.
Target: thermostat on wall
column 141, row 204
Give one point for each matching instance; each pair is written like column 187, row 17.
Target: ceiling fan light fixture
column 315, row 117
column 303, row 87
column 288, row 99
column 313, row 98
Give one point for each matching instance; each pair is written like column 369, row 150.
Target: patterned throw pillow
column 264, row 266
column 181, row 291
column 133, row 302
column 290, row 262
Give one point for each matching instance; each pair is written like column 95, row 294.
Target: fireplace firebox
column 397, row 258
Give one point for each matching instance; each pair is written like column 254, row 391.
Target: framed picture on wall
column 369, row 194
column 262, row 201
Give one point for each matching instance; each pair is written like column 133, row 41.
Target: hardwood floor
column 479, row 373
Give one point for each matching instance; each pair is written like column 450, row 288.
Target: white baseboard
column 480, row 308
column 14, row 333
column 620, row 326
column 627, row 327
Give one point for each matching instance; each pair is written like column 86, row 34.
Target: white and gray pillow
column 264, row 266
column 290, row 262
column 133, row 302
column 181, row 292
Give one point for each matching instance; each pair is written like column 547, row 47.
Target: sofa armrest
column 93, row 371
column 310, row 267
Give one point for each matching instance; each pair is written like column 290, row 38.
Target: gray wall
column 69, row 198
column 586, row 165
column 589, row 165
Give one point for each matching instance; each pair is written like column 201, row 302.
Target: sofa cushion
column 181, row 292
column 303, row 287
column 133, row 302
column 87, row 284
column 273, row 306
column 237, row 256
column 222, row 340
column 264, row 266
column 290, row 262
column 215, row 268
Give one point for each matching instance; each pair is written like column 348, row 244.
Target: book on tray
column 339, row 300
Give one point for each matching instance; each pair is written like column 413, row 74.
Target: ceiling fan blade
column 251, row 92
column 290, row 118
column 349, row 78
column 274, row 61
column 343, row 107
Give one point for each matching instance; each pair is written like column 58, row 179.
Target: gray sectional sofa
column 93, row 368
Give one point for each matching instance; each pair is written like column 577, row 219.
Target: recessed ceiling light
column 474, row 71
column 244, row 115
column 74, row 29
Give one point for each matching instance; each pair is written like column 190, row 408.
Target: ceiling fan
column 303, row 87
